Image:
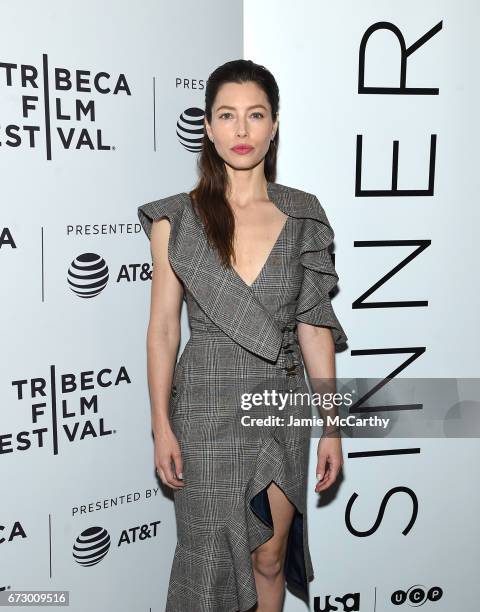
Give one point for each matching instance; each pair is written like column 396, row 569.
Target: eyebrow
column 250, row 107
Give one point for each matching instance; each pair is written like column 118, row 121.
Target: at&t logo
column 88, row 274
column 93, row 544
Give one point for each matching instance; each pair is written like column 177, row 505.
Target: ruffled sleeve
column 319, row 275
column 170, row 207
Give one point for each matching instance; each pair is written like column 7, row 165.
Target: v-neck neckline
column 267, row 261
column 271, row 195
column 277, row 201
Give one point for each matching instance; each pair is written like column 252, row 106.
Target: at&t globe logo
column 91, row 546
column 190, row 129
column 88, row 275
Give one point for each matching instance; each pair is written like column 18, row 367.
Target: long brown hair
column 208, row 196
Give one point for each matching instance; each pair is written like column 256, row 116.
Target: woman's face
column 241, row 117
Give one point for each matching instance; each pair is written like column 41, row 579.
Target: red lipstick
column 242, row 149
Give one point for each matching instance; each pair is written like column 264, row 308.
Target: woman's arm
column 318, row 351
column 163, row 334
column 163, row 338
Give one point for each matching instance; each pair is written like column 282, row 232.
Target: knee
column 268, row 563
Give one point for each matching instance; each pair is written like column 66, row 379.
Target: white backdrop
column 313, row 49
column 75, row 444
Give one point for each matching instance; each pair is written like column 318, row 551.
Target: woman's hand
column 329, row 452
column 167, row 451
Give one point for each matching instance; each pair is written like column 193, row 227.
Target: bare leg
column 268, row 559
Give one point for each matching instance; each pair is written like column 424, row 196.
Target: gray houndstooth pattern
column 243, row 339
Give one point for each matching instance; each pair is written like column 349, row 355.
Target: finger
column 325, row 483
column 161, row 475
column 170, row 479
column 178, row 464
column 331, row 476
column 173, row 474
column 326, row 470
column 321, row 466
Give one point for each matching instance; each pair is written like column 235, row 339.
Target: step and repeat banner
column 378, row 119
column 101, row 110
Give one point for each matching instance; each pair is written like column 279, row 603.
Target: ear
column 208, row 129
column 275, row 124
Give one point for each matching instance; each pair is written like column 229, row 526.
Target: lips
column 242, row 149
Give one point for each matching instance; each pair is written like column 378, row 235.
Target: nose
column 241, row 128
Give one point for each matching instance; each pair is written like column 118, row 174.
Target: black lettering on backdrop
column 405, row 53
column 43, row 112
column 422, row 244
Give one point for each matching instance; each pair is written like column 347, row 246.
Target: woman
column 250, row 257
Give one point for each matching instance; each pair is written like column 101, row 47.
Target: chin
column 243, row 164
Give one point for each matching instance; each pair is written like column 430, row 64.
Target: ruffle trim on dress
column 256, row 515
column 170, row 207
column 320, row 277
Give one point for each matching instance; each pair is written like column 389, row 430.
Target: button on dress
column 243, row 340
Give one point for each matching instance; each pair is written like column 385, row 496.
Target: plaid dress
column 243, row 340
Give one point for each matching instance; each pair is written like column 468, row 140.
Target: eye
column 223, row 115
column 259, row 114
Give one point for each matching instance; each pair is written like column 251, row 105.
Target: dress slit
column 294, row 566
